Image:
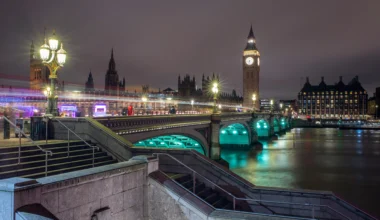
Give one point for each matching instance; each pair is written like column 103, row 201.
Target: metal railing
column 20, row 134
column 261, row 203
column 68, row 141
column 333, row 197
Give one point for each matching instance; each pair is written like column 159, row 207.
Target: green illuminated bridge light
column 171, row 141
column 234, row 134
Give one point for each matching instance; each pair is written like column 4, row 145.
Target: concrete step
column 44, row 146
column 32, row 160
column 34, row 152
column 59, row 166
column 71, row 169
column 51, row 161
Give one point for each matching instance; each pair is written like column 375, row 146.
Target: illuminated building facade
column 333, row 101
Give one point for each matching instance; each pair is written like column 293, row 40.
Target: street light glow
column 53, row 42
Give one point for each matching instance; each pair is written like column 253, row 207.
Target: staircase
column 32, row 160
column 211, row 196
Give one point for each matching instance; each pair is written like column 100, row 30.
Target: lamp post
column 192, row 104
column 271, row 105
column 254, row 102
column 54, row 60
column 144, row 99
column 376, row 111
column 215, row 91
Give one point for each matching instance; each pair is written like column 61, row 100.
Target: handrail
column 68, row 142
column 20, row 133
column 331, row 194
column 116, row 137
column 245, row 199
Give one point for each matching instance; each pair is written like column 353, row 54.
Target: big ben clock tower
column 251, row 73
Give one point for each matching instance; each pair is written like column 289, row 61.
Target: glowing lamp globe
column 53, row 42
column 45, row 52
column 61, row 56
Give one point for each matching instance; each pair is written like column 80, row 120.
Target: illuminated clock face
column 258, row 61
column 249, row 61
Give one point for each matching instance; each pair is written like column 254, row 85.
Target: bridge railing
column 20, row 133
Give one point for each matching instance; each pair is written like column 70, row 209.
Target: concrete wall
column 89, row 129
column 117, row 190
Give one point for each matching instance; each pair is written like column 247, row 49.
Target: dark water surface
column 346, row 162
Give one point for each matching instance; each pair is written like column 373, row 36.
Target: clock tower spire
column 251, row 71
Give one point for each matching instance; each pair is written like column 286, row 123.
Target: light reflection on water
column 346, row 162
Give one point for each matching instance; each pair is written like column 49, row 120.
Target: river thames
column 346, row 162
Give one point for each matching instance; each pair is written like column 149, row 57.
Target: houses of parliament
column 116, row 97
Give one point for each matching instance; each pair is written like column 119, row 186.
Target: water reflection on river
column 346, row 162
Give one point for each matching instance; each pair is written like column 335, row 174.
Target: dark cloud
column 155, row 41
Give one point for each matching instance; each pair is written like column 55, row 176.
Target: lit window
column 332, row 101
column 346, row 101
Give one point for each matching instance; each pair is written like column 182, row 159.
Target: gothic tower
column 112, row 78
column 251, row 72
column 89, row 86
column 39, row 74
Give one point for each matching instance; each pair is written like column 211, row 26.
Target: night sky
column 155, row 41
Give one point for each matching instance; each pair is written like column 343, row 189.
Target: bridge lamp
column 254, row 101
column 244, row 132
column 234, row 132
column 258, row 126
column 271, row 105
column 376, row 111
column 144, row 99
column 215, row 91
column 53, row 60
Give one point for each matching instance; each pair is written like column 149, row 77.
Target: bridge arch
column 284, row 123
column 173, row 141
column 262, row 128
column 276, row 125
column 235, row 133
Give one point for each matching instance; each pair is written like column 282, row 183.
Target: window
column 332, row 101
column 346, row 101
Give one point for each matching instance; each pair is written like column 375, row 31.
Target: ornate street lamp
column 215, row 91
column 271, row 105
column 54, row 60
column 376, row 111
column 144, row 99
column 254, row 102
